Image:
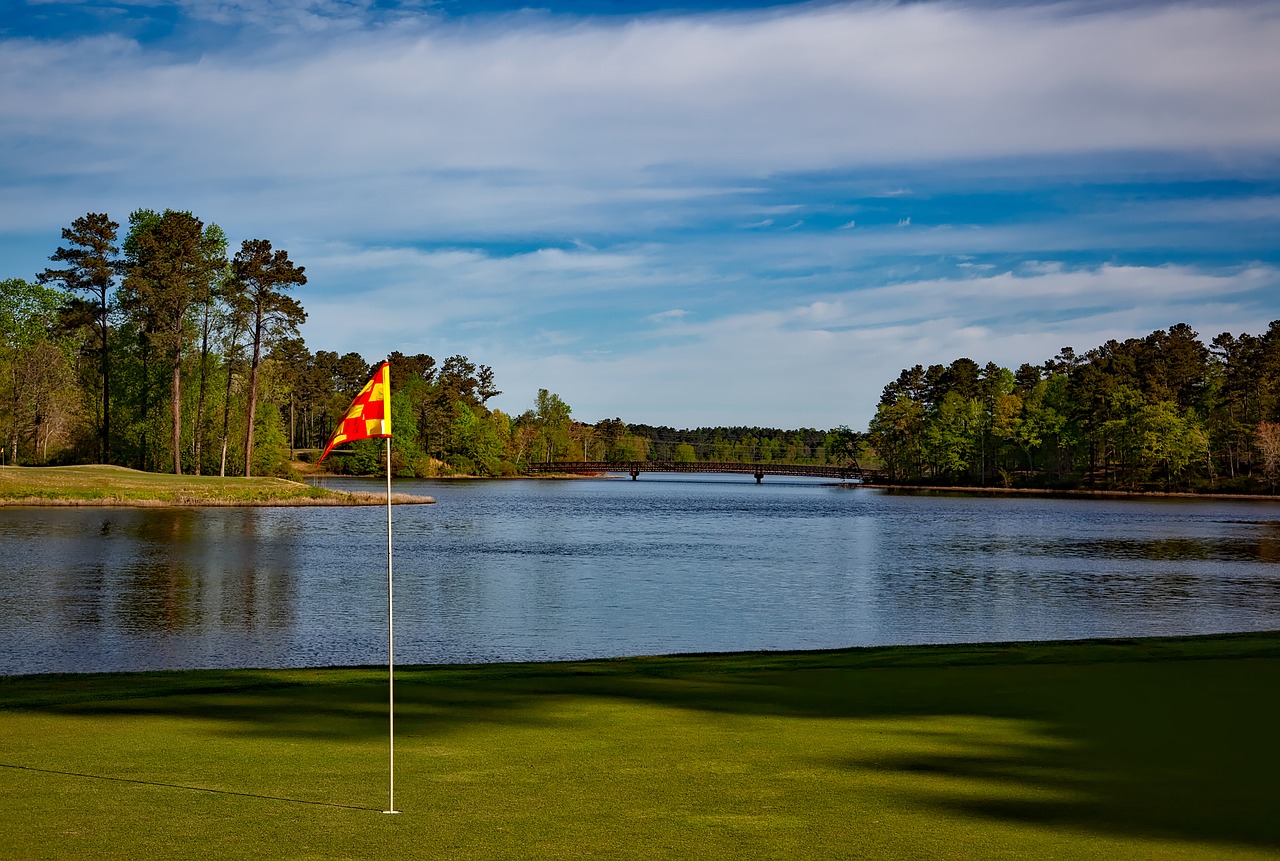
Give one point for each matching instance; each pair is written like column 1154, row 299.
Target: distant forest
column 1164, row 412
column 152, row 348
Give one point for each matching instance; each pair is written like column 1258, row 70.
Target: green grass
column 117, row 485
column 1119, row 749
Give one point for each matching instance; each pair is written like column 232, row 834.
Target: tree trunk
column 226, row 401
column 253, row 398
column 175, row 391
column 200, row 399
column 104, row 433
column 13, row 427
column 146, row 404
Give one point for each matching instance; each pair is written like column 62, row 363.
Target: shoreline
column 1067, row 492
column 1092, row 650
column 106, row 486
column 352, row 500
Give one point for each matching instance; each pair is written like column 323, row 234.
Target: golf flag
column 369, row 414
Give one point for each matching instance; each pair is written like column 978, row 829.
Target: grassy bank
column 1136, row 749
column 116, row 485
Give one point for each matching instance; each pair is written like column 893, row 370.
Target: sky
column 685, row 213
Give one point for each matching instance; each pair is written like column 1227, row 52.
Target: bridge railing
column 633, row 468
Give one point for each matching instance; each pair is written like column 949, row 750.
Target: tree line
column 1164, row 412
column 153, row 347
column 148, row 349
column 746, row 445
column 156, row 349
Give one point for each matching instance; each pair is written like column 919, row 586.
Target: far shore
column 908, row 489
column 97, row 485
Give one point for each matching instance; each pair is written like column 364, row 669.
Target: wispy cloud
column 761, row 363
column 719, row 191
column 819, row 88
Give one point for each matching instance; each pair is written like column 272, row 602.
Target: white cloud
column 594, row 176
column 527, row 124
column 823, row 363
column 598, row 328
column 812, row 89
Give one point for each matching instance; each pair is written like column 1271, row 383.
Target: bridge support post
column 635, row 473
column 759, row 477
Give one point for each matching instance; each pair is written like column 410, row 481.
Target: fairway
column 1112, row 749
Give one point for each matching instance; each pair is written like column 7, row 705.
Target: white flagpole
column 391, row 659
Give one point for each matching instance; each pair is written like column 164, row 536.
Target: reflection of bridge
column 758, row 470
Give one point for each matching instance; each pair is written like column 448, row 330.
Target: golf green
column 1161, row 748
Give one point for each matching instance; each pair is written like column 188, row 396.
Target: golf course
column 101, row 485
column 1154, row 748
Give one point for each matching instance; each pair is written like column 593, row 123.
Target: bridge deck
column 633, row 468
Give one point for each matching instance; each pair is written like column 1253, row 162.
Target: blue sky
column 689, row 213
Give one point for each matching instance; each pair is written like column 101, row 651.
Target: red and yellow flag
column 369, row 414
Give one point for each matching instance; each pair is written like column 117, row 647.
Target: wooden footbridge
column 851, row 472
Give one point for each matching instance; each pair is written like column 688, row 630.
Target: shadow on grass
column 1174, row 738
column 137, row 782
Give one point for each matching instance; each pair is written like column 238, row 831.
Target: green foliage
column 951, row 435
column 28, row 312
column 38, row 401
column 90, row 268
column 362, row 457
column 843, row 445
column 897, row 434
column 1170, row 437
column 551, row 420
column 630, row 448
column 1159, row 412
column 407, row 458
column 733, row 444
column 260, row 275
column 479, row 446
column 171, row 262
column 271, row 449
column 192, row 358
column 462, row 465
column 195, row 364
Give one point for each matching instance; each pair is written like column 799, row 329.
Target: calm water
column 567, row 569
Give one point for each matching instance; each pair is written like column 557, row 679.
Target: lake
column 547, row 569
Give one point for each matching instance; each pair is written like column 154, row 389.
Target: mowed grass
column 118, row 485
column 1141, row 749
